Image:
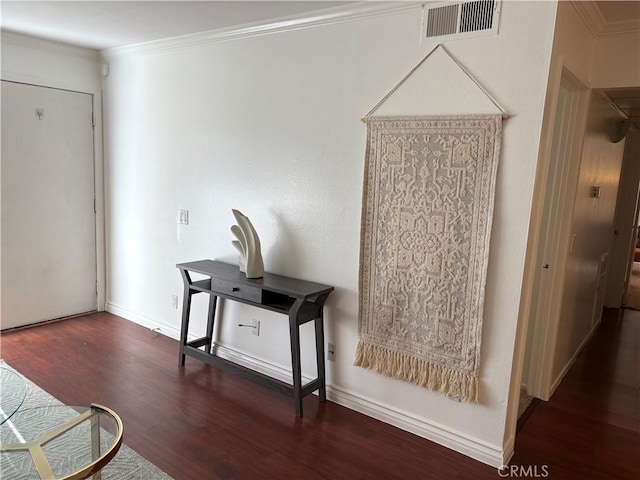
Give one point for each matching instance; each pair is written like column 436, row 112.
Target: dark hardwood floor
column 590, row 429
column 196, row 422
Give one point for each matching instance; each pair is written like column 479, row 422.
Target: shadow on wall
column 284, row 251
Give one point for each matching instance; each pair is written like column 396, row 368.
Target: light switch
column 183, row 217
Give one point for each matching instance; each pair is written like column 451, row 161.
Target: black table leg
column 213, row 300
column 320, row 358
column 322, row 389
column 186, row 309
column 294, row 332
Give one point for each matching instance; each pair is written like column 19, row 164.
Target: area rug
column 426, row 223
column 126, row 465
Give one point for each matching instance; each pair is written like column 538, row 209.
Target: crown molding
column 590, row 15
column 330, row 16
column 596, row 23
column 37, row 43
column 620, row 28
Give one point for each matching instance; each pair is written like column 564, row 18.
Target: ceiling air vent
column 462, row 19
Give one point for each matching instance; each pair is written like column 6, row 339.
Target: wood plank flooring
column 196, row 422
column 590, row 429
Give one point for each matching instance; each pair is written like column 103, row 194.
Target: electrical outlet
column 174, row 302
column 255, row 327
column 331, row 352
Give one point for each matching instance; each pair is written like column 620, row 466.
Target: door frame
column 98, row 168
column 555, row 245
column 631, row 259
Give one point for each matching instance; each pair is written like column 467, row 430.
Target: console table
column 300, row 300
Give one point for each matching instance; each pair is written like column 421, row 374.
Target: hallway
column 590, row 429
column 632, row 299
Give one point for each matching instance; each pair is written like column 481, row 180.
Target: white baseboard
column 143, row 320
column 441, row 434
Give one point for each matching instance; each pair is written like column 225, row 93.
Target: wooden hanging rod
column 505, row 116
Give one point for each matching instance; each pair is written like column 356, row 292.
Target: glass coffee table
column 59, row 442
column 13, row 391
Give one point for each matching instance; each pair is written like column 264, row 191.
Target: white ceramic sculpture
column 248, row 245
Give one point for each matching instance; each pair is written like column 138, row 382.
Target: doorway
column 555, row 241
column 623, row 286
column 48, row 240
column 566, row 315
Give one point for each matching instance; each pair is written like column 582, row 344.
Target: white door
column 48, row 249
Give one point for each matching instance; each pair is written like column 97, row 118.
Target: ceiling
column 612, row 17
column 105, row 24
column 628, row 102
column 614, row 11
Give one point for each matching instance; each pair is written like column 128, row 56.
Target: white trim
column 509, row 448
column 143, row 320
column 458, row 441
column 98, row 165
column 280, row 372
column 590, row 15
column 544, row 310
column 329, row 16
column 597, row 24
column 94, row 89
column 438, row 433
column 99, row 193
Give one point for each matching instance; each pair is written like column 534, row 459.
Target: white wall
column 270, row 125
column 41, row 62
